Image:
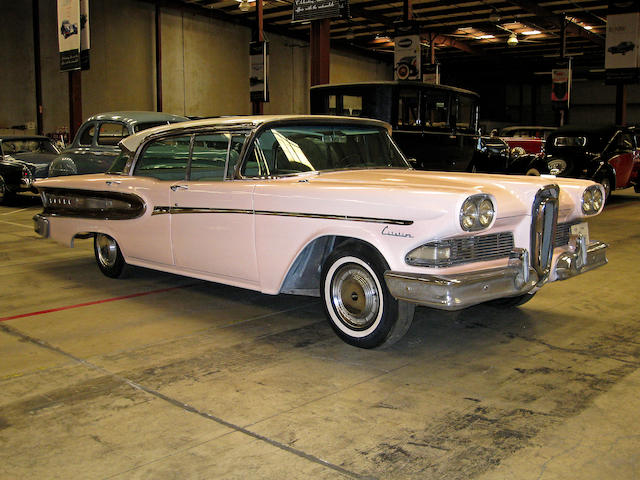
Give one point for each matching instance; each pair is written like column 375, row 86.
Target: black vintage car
column 608, row 155
column 436, row 125
column 22, row 160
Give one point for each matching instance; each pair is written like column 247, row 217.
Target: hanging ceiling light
column 512, row 41
column 244, row 5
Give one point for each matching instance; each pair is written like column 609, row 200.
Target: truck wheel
column 109, row 256
column 358, row 304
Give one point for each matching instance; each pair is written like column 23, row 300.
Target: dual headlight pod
column 592, row 200
column 477, row 213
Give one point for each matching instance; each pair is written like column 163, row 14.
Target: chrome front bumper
column 457, row 291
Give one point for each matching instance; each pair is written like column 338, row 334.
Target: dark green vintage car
column 95, row 146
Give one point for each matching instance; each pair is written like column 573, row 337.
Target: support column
column 621, row 104
column 37, row 65
column 158, row 60
column 75, row 102
column 257, row 108
column 320, row 48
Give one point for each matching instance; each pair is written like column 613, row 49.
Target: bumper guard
column 458, row 291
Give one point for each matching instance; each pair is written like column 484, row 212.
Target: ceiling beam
column 556, row 20
column 442, row 40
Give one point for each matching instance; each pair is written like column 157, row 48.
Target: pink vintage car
column 325, row 206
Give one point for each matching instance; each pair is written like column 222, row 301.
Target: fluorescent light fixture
column 485, row 37
column 587, row 27
column 531, row 32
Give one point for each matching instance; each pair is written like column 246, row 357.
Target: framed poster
column 69, row 34
column 259, row 71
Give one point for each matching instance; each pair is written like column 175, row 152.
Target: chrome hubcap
column 355, row 297
column 107, row 249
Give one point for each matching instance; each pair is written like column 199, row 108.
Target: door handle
column 179, row 187
column 113, row 182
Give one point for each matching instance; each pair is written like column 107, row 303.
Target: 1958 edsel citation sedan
column 325, row 206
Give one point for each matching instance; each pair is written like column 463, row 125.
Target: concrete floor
column 158, row 376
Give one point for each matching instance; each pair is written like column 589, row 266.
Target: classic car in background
column 525, row 139
column 95, row 145
column 325, row 206
column 22, row 160
column 607, row 155
column 492, row 155
column 436, row 125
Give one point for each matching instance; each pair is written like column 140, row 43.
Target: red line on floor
column 96, row 302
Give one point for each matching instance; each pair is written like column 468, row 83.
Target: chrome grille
column 472, row 249
column 544, row 217
column 563, row 232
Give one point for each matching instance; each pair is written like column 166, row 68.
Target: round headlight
column 477, row 212
column 468, row 214
column 485, row 212
column 587, row 201
column 592, row 200
column 597, row 199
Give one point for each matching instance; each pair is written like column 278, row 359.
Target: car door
column 212, row 219
column 161, row 163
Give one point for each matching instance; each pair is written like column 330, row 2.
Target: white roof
column 132, row 142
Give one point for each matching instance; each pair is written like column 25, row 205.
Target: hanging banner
column 307, row 10
column 407, row 57
column 85, row 37
column 561, row 77
column 622, row 49
column 259, row 71
column 69, row 34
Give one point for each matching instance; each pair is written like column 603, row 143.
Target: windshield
column 295, row 149
column 590, row 143
column 27, row 146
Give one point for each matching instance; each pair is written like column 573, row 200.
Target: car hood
column 416, row 194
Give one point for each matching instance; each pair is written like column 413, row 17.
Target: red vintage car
column 525, row 139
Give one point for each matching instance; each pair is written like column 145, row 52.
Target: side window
column 409, row 108
column 332, row 105
column 86, row 137
column 277, row 153
column 165, row 159
column 464, row 115
column 352, row 105
column 260, row 162
column 111, row 133
column 237, row 141
column 209, row 157
column 436, row 109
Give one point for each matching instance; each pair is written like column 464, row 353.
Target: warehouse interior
column 159, row 375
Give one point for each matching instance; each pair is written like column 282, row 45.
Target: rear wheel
column 358, row 304
column 109, row 256
column 533, row 171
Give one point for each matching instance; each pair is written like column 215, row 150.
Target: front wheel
column 358, row 304
column 606, row 185
column 509, row 302
column 109, row 256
